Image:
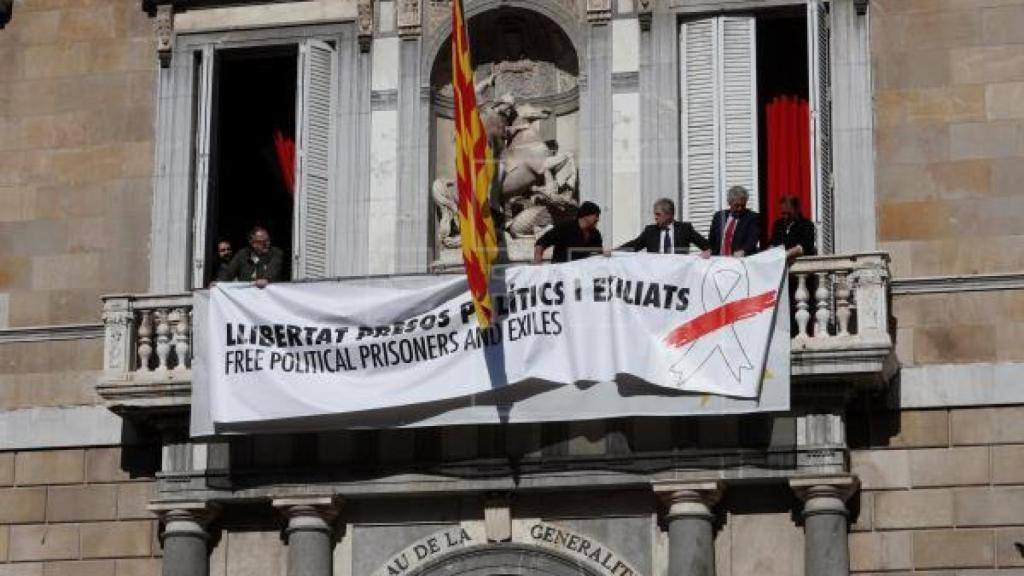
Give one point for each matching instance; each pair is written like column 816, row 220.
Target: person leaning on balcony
column 574, row 239
column 667, row 235
column 259, row 262
column 792, row 230
column 735, row 231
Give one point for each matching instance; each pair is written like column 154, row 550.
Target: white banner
column 613, row 336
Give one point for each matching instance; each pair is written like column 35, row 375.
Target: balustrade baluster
column 163, row 339
column 842, row 304
column 802, row 314
column 181, row 338
column 145, row 347
column 824, row 313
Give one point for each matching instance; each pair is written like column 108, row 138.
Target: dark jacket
column 798, row 232
column 246, row 266
column 683, row 234
column 745, row 237
column 569, row 242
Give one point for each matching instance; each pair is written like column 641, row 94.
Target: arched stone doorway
column 503, row 560
column 527, row 72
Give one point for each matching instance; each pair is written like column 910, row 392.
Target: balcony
column 840, row 306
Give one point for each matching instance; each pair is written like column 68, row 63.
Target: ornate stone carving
column 538, row 183
column 365, row 23
column 438, row 12
column 165, row 33
column 599, row 11
column 527, row 93
column 645, row 13
column 409, row 18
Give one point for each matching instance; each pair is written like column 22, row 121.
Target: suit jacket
column 796, row 232
column 683, row 234
column 745, row 237
column 246, row 266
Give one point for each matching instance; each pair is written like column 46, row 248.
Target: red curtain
column 789, row 155
column 284, row 148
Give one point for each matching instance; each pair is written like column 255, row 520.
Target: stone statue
column 537, row 184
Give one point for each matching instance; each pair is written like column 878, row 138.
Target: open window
column 263, row 152
column 755, row 112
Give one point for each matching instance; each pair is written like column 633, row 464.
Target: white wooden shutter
column 819, row 67
column 738, row 124
column 699, row 109
column 314, row 157
column 203, row 89
column 719, row 113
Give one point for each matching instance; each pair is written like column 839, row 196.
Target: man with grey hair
column 735, row 231
column 667, row 235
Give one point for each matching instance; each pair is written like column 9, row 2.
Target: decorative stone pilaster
column 364, row 20
column 826, row 543
column 599, row 11
column 645, row 14
column 184, row 536
column 165, row 33
column 409, row 23
column 309, row 533
column 690, row 526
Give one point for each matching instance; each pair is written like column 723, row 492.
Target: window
column 264, row 151
column 736, row 71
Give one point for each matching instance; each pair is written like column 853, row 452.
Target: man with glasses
column 259, row 262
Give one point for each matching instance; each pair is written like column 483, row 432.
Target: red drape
column 789, row 155
column 284, row 147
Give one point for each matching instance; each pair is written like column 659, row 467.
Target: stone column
column 826, row 546
column 184, row 537
column 309, row 533
column 690, row 526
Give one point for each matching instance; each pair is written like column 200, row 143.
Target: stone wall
column 949, row 115
column 949, row 134
column 941, row 490
column 76, row 137
column 75, row 512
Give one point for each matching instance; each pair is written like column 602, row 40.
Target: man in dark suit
column 735, row 231
column 667, row 235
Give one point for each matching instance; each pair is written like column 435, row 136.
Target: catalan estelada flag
column 475, row 169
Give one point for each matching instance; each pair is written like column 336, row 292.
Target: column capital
column 184, row 517
column 825, row 495
column 688, row 498
column 304, row 513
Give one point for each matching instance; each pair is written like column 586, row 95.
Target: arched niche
column 503, row 560
column 533, row 94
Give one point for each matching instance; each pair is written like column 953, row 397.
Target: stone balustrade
column 840, row 308
column 147, row 356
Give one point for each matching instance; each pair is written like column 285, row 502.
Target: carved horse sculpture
column 537, row 183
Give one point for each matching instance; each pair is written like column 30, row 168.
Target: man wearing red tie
column 736, row 230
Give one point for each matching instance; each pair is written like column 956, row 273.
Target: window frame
column 177, row 205
column 824, row 209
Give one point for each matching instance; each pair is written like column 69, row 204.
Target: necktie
column 666, row 242
column 730, row 229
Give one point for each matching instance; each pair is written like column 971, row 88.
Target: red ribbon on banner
column 720, row 317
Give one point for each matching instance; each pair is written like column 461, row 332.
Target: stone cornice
column 50, row 333
column 966, row 283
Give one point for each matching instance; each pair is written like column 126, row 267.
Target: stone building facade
column 904, row 448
